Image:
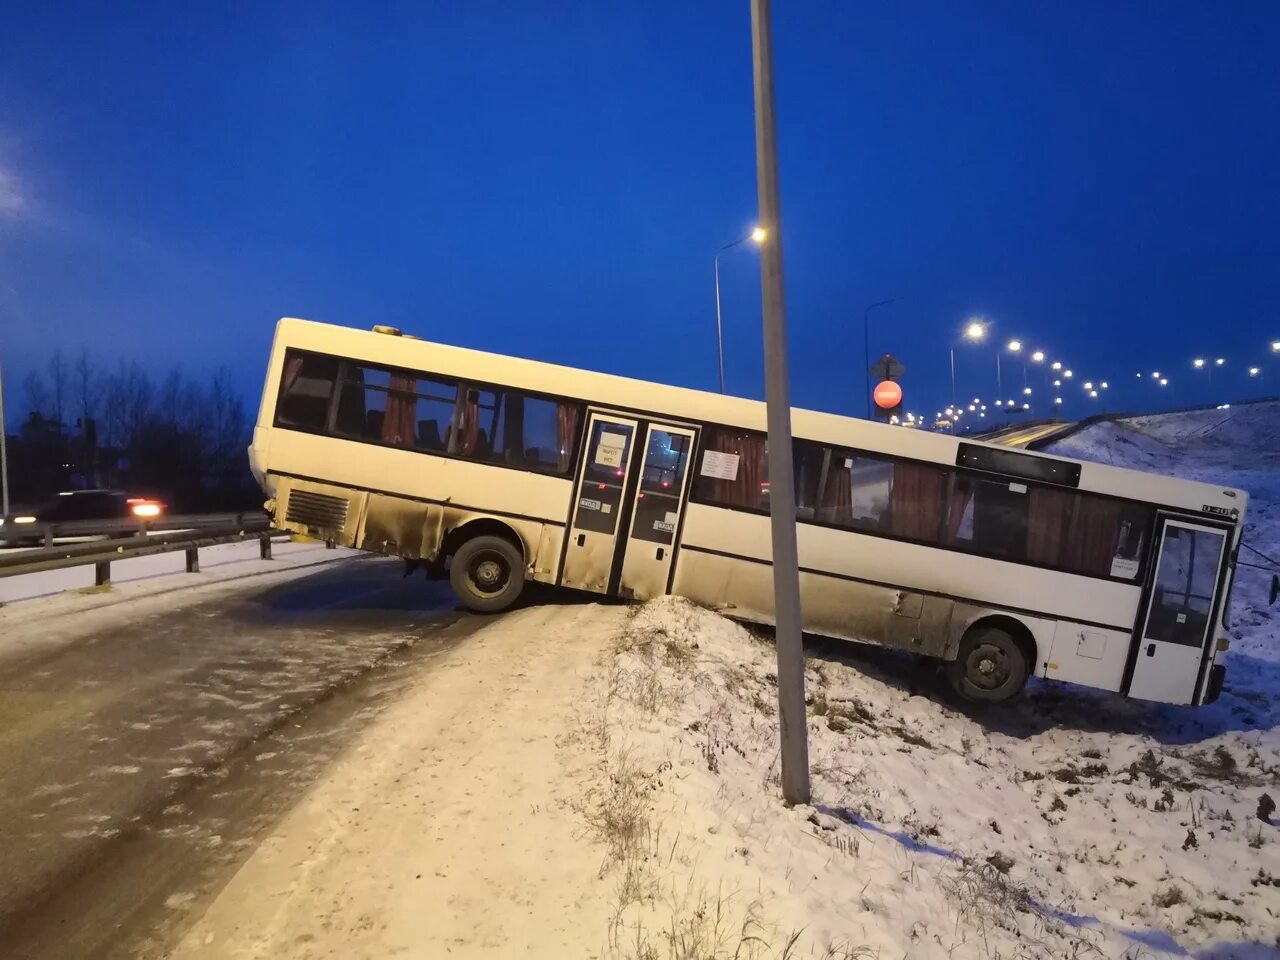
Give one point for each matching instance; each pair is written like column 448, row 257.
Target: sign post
column 794, row 734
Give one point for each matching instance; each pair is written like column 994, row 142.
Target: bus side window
column 306, row 387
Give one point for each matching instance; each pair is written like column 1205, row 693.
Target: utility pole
column 794, row 734
column 4, row 459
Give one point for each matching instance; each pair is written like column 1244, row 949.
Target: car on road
column 81, row 510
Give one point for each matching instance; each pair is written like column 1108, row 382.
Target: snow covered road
column 144, row 743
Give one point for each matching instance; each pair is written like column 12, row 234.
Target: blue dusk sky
column 1099, row 179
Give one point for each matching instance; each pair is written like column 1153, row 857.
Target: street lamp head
column 1067, row 374
column 1093, row 393
column 1038, row 356
column 1026, row 391
column 1275, row 346
column 1088, row 384
column 1155, row 375
column 1253, row 371
column 1015, row 346
column 1220, row 361
column 1057, row 365
column 975, row 330
column 1026, row 406
column 759, row 235
column 1057, row 383
column 1198, row 362
column 1057, row 400
column 1104, row 385
column 1164, row 381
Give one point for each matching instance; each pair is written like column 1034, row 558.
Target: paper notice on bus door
column 610, row 450
column 722, row 466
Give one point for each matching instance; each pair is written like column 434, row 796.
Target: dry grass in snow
column 932, row 833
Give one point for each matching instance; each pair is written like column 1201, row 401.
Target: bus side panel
column 1088, row 655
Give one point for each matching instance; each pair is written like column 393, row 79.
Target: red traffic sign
column 887, row 395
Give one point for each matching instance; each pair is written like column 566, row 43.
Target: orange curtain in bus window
column 750, row 488
column 566, row 432
column 837, row 495
column 915, row 502
column 1047, row 512
column 467, row 436
column 1095, row 534
column 397, row 424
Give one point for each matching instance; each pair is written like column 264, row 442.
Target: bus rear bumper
column 1217, row 674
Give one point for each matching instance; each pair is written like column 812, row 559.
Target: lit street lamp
column 1038, row 356
column 756, row 236
column 975, row 331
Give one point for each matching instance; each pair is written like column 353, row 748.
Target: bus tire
column 991, row 666
column 487, row 574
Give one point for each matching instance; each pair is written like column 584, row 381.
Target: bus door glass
column 657, row 507
column 1181, row 610
column 593, row 528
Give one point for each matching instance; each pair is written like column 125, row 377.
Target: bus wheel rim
column 489, row 573
column 987, row 667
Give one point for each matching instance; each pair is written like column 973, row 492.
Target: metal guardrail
column 47, row 533
column 102, row 553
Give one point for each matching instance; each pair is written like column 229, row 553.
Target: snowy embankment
column 591, row 781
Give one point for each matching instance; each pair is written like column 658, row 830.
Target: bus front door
column 599, row 504
column 657, row 505
column 1181, row 610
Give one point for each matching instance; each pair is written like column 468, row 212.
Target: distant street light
column 1057, row 365
column 1198, row 362
column 1057, row 383
column 1275, row 346
column 1015, row 346
column 1164, row 381
column 1104, row 385
column 1093, row 393
column 1057, row 401
column 1038, row 356
column 1067, row 374
column 1156, row 375
column 756, row 236
column 1220, row 361
column 1254, row 371
column 1088, row 384
column 1026, row 391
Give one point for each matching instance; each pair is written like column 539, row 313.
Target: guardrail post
column 264, row 547
column 47, row 539
column 193, row 560
column 102, row 573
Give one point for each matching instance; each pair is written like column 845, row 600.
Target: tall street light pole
column 794, row 734
column 866, row 345
column 757, row 235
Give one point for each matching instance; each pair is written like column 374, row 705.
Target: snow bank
column 1064, row 827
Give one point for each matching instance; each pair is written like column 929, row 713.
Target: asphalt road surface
column 140, row 763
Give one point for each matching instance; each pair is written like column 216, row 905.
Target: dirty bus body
column 495, row 471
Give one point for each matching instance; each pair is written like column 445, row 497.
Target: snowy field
column 601, row 781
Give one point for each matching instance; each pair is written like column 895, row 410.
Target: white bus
column 494, row 471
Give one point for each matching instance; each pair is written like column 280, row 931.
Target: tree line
column 180, row 439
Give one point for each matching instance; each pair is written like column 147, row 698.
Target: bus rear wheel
column 487, row 574
column 991, row 666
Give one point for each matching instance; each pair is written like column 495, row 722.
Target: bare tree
column 87, row 388
column 127, row 397
column 59, row 377
column 37, row 393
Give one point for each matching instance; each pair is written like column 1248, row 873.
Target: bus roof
column 700, row 406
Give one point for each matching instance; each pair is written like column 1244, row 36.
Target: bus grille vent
column 316, row 510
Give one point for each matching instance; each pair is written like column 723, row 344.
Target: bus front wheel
column 991, row 666
column 487, row 574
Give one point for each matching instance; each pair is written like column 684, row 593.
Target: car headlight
column 24, row 519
